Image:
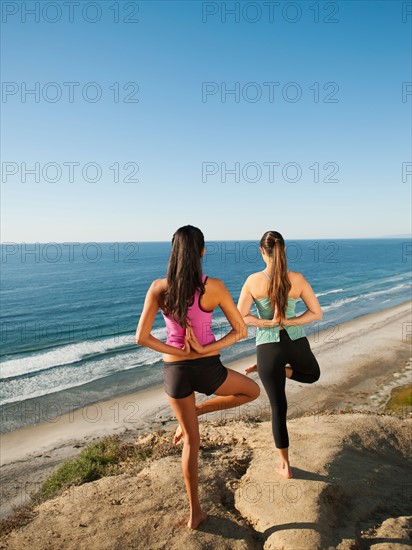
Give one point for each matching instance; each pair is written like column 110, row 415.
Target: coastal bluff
column 351, row 490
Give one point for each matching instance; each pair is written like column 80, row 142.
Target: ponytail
column 279, row 287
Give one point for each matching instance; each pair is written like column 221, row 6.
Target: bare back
column 258, row 284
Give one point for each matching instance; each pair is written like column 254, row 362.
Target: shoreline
column 137, row 410
column 50, row 407
column 20, row 408
column 233, row 364
column 357, row 358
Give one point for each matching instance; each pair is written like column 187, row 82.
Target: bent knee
column 254, row 390
column 316, row 377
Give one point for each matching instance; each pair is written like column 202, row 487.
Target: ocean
column 69, row 311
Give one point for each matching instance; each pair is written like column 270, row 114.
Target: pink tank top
column 200, row 319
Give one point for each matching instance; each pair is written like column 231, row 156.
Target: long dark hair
column 273, row 244
column 184, row 272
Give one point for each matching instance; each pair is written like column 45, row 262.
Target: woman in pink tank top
column 191, row 360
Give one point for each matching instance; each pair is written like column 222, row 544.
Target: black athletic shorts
column 204, row 375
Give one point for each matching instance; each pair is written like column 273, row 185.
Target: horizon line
column 213, row 240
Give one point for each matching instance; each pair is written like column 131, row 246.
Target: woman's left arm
column 313, row 310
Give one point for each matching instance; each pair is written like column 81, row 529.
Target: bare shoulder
column 255, row 277
column 215, row 284
column 298, row 281
column 158, row 286
column 296, row 277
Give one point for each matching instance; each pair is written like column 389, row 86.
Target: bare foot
column 178, row 435
column 196, row 519
column 253, row 368
column 284, row 470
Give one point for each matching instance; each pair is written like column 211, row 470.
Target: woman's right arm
column 313, row 310
column 143, row 332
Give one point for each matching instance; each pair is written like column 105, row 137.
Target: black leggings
column 271, row 361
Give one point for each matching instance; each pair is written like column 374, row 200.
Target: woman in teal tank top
column 280, row 336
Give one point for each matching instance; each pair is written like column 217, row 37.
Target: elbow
column 246, row 319
column 139, row 338
column 319, row 315
column 242, row 332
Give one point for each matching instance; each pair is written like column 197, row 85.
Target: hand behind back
column 193, row 341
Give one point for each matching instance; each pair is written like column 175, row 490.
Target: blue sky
column 174, row 144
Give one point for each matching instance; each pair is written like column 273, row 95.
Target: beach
column 173, row 165
column 361, row 361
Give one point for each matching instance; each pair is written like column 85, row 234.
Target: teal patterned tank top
column 267, row 335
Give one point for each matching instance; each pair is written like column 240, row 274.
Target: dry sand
column 351, row 471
